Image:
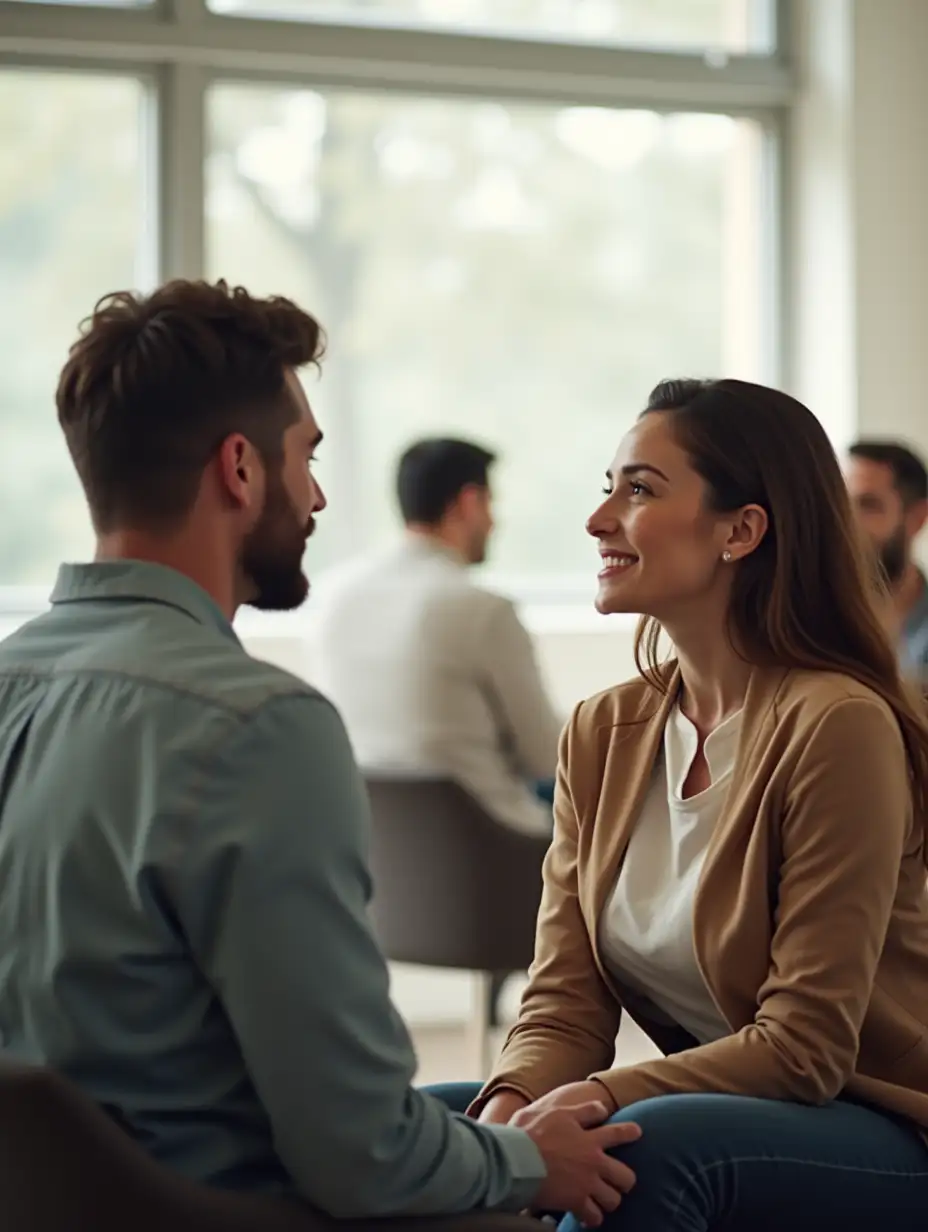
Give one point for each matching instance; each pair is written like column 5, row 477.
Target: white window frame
column 181, row 48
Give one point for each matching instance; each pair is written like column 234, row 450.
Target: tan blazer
column 810, row 921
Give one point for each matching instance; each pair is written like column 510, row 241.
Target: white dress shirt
column 434, row 675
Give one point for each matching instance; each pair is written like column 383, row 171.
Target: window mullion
column 181, row 181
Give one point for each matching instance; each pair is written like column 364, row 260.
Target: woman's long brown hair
column 809, row 595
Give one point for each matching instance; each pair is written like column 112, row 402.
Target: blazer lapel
column 757, row 726
column 719, row 922
column 632, row 748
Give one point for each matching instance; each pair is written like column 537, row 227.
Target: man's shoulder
column 354, row 582
column 463, row 609
column 232, row 678
column 400, row 576
column 175, row 661
column 221, row 673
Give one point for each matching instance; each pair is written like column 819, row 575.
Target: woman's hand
column 502, row 1107
column 575, row 1093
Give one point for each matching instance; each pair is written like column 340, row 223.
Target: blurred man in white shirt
column 432, row 674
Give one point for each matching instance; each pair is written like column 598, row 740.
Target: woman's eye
column 637, row 489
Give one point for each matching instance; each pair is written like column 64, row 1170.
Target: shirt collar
column 143, row 582
column 427, row 546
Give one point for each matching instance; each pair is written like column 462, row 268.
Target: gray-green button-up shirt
column 183, row 911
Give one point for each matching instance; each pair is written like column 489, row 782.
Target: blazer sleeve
column 569, row 1019
column 847, row 821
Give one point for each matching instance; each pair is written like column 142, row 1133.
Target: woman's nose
column 602, row 521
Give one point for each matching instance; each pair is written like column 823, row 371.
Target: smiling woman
column 740, row 844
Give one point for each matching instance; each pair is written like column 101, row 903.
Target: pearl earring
column 726, row 556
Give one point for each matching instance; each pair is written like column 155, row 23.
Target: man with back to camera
column 888, row 484
column 183, row 922
column 431, row 673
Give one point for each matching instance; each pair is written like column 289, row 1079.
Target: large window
column 520, row 274
column 73, row 225
column 735, row 25
column 510, row 237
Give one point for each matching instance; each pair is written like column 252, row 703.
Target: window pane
column 71, row 221
column 523, row 275
column 115, row 4
column 734, row 25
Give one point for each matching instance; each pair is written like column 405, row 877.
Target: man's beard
column 272, row 554
column 894, row 555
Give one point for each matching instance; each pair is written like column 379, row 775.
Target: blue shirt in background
column 914, row 638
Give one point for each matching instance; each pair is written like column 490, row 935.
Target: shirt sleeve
column 517, row 691
column 275, row 905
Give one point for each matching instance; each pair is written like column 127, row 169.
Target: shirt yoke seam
column 296, row 689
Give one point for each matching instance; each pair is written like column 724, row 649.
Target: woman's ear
column 746, row 532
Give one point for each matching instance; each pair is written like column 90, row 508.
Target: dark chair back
column 452, row 887
column 65, row 1166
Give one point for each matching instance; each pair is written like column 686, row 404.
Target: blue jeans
column 755, row 1165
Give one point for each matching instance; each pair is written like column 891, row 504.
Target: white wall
column 857, row 283
column 890, row 194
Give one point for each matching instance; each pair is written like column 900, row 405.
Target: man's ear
column 240, row 472
column 916, row 517
column 471, row 498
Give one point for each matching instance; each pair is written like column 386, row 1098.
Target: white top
column 646, row 930
column 434, row 675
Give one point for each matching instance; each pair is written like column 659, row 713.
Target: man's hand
column 573, row 1142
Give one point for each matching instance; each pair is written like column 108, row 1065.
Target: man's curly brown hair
column 155, row 383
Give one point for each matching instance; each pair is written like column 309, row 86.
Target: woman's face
column 662, row 550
